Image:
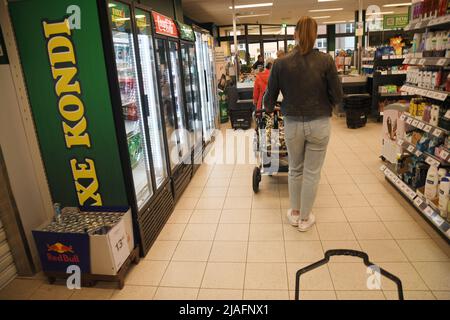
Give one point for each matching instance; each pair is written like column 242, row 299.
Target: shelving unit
column 428, row 93
column 427, row 60
column 440, row 22
column 426, row 209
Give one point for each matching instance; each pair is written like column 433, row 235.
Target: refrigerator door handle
column 146, row 107
column 206, row 85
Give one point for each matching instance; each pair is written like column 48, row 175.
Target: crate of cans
column 98, row 242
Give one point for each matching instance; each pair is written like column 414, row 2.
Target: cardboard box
column 109, row 251
column 95, row 254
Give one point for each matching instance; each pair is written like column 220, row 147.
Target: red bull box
column 97, row 241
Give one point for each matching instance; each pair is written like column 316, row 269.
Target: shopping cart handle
column 346, row 252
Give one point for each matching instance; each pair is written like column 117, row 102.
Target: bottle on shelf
column 431, row 184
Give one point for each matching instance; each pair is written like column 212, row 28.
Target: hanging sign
column 186, row 32
column 395, row 21
column 164, row 25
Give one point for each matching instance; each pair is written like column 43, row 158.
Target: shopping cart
column 347, row 252
column 269, row 145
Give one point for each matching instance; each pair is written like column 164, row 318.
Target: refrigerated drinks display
column 192, row 91
column 151, row 99
column 183, row 142
column 125, row 54
column 167, row 51
column 207, row 83
column 167, row 102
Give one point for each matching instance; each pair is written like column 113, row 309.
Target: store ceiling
column 282, row 11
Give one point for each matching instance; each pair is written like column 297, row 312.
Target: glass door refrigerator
column 207, row 83
column 191, row 92
column 167, row 52
column 92, row 88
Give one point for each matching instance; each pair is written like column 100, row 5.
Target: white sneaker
column 305, row 225
column 293, row 220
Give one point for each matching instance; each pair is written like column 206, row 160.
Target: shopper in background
column 310, row 86
column 261, row 84
column 280, row 54
column 259, row 63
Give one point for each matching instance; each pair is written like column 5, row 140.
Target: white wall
column 19, row 142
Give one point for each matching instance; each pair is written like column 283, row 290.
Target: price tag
column 418, row 153
column 402, row 117
column 418, row 201
column 384, row 73
column 428, row 211
column 400, row 142
column 444, row 154
column 437, row 132
column 438, row 220
column 432, row 162
column 413, row 61
column 424, row 92
column 411, row 194
column 410, row 148
column 441, row 62
column 406, row 61
column 418, row 25
column 422, row 62
column 421, row 125
column 441, row 96
column 415, row 123
column 385, row 57
column 382, row 168
column 409, row 120
column 427, row 128
column 447, row 114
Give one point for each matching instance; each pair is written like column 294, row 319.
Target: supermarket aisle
column 224, row 242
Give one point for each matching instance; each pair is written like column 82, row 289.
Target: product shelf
column 422, row 24
column 396, row 94
column 422, row 125
column 416, row 198
column 428, row 158
column 427, row 62
column 411, row 89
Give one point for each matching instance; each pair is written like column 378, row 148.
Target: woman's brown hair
column 306, row 31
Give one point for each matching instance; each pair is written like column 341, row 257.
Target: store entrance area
column 225, row 242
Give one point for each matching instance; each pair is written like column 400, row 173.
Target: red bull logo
column 59, row 248
column 63, row 253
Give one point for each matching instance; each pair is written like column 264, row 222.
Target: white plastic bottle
column 434, row 120
column 432, row 182
column 442, row 173
column 444, row 188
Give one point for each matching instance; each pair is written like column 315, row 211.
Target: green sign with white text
column 186, row 31
column 395, row 21
column 63, row 62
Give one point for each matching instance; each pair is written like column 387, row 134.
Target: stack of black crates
column 357, row 108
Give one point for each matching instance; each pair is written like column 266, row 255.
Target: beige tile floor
column 224, row 242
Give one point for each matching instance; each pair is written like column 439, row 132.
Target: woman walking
column 310, row 86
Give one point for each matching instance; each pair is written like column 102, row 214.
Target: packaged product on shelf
column 130, row 111
column 444, row 188
column 434, row 119
column 442, row 172
column 135, row 148
column 431, row 184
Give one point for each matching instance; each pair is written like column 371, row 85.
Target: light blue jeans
column 307, row 142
